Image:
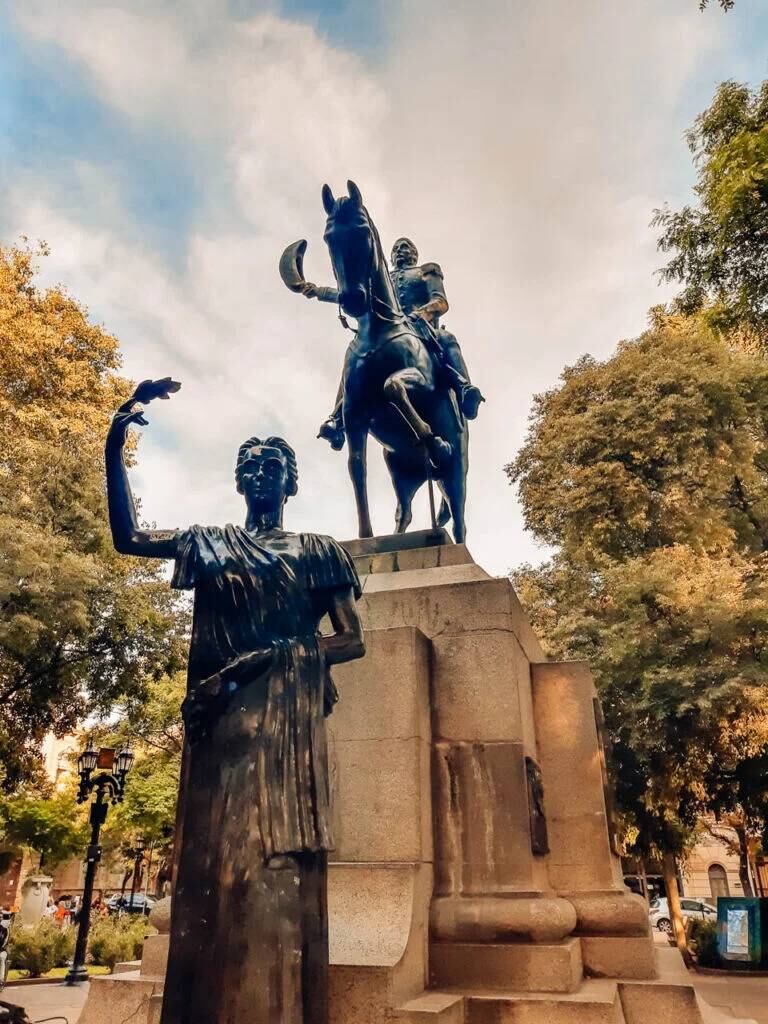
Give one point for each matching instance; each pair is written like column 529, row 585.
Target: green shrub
column 704, row 943
column 39, row 949
column 115, row 939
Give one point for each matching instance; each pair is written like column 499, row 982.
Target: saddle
column 431, row 338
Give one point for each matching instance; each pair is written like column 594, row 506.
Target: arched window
column 718, row 881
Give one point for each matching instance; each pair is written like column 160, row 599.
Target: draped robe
column 249, row 924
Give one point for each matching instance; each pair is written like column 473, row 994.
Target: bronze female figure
column 249, row 938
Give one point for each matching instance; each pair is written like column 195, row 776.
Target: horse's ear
column 328, row 201
column 354, row 193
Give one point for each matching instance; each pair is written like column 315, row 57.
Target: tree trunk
column 673, row 902
column 744, row 876
column 644, row 880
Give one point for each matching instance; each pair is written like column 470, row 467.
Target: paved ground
column 41, row 1001
column 737, row 995
column 743, row 997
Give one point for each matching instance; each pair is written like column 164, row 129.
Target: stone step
column 155, row 1008
column 670, row 997
column 362, row 546
column 412, row 559
column 119, row 997
column 433, row 1008
column 596, row 1002
column 126, row 966
column 656, row 1001
column 518, row 967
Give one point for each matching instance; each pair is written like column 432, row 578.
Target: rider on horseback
column 421, row 293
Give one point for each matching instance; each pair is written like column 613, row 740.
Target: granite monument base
column 474, row 879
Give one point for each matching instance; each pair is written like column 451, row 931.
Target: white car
column 659, row 912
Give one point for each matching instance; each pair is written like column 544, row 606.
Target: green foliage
column 720, row 246
column 662, row 444
column 648, row 473
column 81, row 626
column 704, row 943
column 52, row 826
column 155, row 729
column 113, row 940
column 39, row 949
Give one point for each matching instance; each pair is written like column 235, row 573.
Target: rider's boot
column 439, row 450
column 470, row 400
column 331, row 430
column 467, row 395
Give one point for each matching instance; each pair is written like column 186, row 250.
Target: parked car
column 659, row 912
column 122, row 904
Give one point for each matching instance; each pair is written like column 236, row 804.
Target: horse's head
column 351, row 242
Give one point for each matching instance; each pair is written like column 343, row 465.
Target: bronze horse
column 393, row 386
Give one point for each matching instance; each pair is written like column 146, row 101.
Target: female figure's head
column 266, row 475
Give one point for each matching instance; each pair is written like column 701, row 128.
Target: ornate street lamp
column 138, row 852
column 109, row 786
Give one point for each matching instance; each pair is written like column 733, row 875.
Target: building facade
column 712, row 870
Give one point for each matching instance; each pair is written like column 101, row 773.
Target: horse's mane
column 346, row 207
column 381, row 260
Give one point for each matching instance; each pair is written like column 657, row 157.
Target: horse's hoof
column 444, row 515
column 330, row 431
column 440, row 451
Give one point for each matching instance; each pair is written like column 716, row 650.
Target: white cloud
column 522, row 145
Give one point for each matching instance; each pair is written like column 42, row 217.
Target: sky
column 168, row 150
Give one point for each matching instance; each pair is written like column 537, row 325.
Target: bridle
column 376, row 254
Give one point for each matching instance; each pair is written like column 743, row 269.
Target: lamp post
column 109, row 786
column 138, row 853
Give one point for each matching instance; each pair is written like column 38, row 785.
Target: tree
column 719, row 246
column 727, row 5
column 81, row 627
column 155, row 729
column 52, row 826
column 739, row 802
column 648, row 473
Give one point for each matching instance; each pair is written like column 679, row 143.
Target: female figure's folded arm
column 346, row 643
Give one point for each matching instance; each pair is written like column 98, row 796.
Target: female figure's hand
column 209, row 698
column 241, row 670
column 132, row 411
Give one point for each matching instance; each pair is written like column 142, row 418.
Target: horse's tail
column 444, row 515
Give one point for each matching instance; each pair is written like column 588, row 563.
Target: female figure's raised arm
column 127, row 536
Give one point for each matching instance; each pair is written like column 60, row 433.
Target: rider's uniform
column 421, row 288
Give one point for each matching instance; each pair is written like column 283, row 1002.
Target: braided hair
column 269, row 442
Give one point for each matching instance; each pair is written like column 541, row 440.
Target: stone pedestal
column 583, row 867
column 473, row 880
column 34, row 899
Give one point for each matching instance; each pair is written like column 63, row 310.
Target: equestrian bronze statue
column 249, row 929
column 404, row 379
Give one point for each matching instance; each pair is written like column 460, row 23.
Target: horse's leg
column 444, row 512
column 454, row 487
column 357, row 441
column 405, row 485
column 397, row 388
